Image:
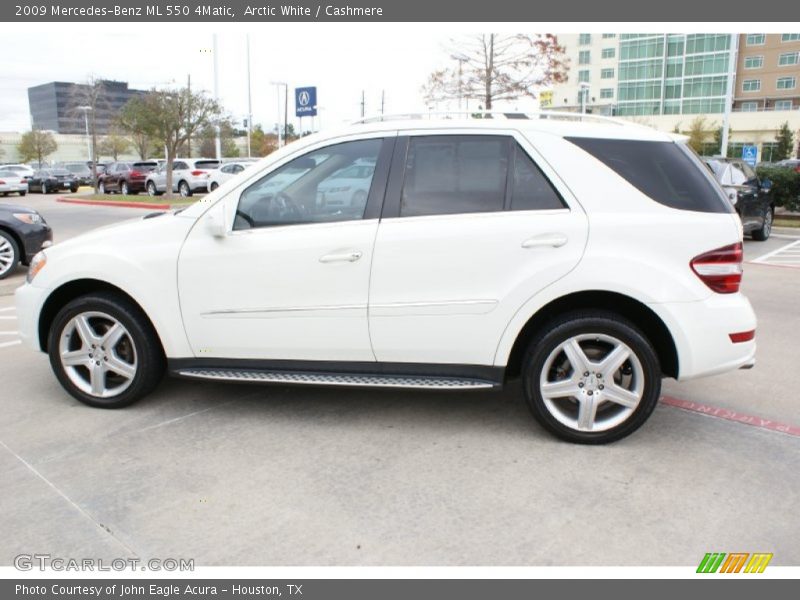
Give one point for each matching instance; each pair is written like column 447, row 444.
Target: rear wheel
column 9, row 254
column 151, row 189
column 44, row 187
column 104, row 351
column 591, row 377
column 124, row 189
column 214, row 185
column 184, row 190
column 762, row 234
column 101, row 188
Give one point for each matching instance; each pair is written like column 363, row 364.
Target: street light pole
column 249, row 101
column 85, row 110
column 217, row 140
column 584, row 93
column 726, row 119
column 461, row 60
column 278, row 84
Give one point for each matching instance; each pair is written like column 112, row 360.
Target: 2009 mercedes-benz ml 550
column 591, row 259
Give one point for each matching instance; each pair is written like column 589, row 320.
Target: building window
column 783, row 105
column 584, row 57
column 751, row 85
column 585, row 39
column 790, row 58
column 606, row 92
column 583, row 75
column 749, row 106
column 606, row 73
column 609, row 52
column 707, row 42
column 753, row 62
column 786, row 83
column 756, row 39
column 608, row 36
column 790, row 37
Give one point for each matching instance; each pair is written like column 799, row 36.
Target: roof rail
column 489, row 114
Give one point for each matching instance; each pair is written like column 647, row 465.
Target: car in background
column 226, row 171
column 12, row 182
column 790, row 163
column 23, row 233
column 52, row 180
column 125, row 177
column 81, row 171
column 347, row 187
column 24, row 170
column 750, row 195
column 189, row 175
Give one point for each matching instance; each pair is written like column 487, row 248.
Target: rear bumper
column 701, row 331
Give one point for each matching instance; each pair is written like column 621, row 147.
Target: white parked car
column 25, row 171
column 591, row 259
column 226, row 171
column 189, row 175
column 12, row 182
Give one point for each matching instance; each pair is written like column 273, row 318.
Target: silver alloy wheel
column 768, row 222
column 183, row 188
column 98, row 354
column 101, row 188
column 6, row 256
column 151, row 188
column 124, row 188
column 592, row 382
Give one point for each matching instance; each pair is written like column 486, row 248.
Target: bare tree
column 86, row 100
column 493, row 67
column 172, row 117
column 114, row 144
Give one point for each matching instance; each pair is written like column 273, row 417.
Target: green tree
column 228, row 147
column 172, row 117
column 261, row 143
column 697, row 133
column 133, row 120
column 493, row 67
column 36, row 144
column 785, row 140
column 114, row 145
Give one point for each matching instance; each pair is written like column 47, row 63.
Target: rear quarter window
column 667, row 172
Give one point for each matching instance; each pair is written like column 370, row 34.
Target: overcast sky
column 339, row 60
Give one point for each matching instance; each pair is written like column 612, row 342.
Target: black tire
column 22, row 193
column 101, row 188
column 214, row 185
column 762, row 234
column 599, row 323
column 150, row 357
column 124, row 188
column 9, row 268
column 73, row 190
column 44, row 187
column 184, row 190
column 152, row 190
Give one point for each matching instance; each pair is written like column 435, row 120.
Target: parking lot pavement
column 234, row 474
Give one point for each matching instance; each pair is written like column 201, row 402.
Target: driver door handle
column 554, row 240
column 351, row 256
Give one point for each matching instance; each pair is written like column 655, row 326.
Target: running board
column 427, row 382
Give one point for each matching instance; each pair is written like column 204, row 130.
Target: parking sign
column 305, row 101
column 750, row 155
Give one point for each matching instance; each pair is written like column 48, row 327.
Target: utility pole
column 286, row 111
column 734, row 43
column 383, row 100
column 188, row 114
column 362, row 104
column 217, row 140
column 461, row 60
column 281, row 134
column 249, row 101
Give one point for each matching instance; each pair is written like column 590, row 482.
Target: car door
column 474, row 225
column 179, row 168
column 289, row 280
column 747, row 190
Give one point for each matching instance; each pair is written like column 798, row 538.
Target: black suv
column 751, row 197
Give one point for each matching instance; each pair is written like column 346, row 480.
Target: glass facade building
column 668, row 74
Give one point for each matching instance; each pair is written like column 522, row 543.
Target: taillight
column 2, row 182
column 198, row 173
column 742, row 336
column 720, row 269
column 136, row 174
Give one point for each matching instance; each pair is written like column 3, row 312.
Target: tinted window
column 179, row 166
column 8, row 174
column 309, row 189
column 206, row 164
column 455, row 174
column 60, row 172
column 530, row 188
column 667, row 172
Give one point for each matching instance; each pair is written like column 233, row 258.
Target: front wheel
column 104, row 351
column 151, row 189
column 9, row 254
column 762, row 234
column 44, row 187
column 101, row 188
column 591, row 377
column 184, row 190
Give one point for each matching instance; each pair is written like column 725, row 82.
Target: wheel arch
column 17, row 241
column 67, row 292
column 639, row 313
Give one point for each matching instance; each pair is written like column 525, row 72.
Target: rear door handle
column 351, row 256
column 553, row 240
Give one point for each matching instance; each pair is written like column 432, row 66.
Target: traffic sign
column 750, row 155
column 305, row 101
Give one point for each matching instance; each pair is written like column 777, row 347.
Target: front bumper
column 29, row 301
column 701, row 331
column 33, row 238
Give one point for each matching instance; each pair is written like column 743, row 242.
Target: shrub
column 785, row 186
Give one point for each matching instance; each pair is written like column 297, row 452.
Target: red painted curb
column 112, row 203
column 732, row 415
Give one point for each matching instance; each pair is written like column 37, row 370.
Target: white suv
column 591, row 259
column 189, row 175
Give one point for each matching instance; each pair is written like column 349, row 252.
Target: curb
column 112, row 203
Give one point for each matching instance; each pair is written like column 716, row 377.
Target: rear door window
column 667, row 172
column 530, row 188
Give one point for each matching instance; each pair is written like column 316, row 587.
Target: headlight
column 37, row 264
column 29, row 218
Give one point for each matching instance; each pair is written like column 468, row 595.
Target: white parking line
column 7, row 344
column 785, row 256
column 8, row 318
column 9, row 332
column 8, row 308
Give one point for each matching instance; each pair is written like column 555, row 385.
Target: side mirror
column 766, row 185
column 216, row 221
